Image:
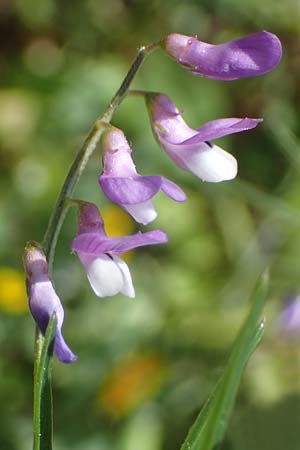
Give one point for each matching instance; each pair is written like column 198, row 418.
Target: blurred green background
column 147, row 365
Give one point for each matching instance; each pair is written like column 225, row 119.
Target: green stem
column 123, row 90
column 42, row 420
column 54, row 226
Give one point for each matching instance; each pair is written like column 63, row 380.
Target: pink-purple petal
column 90, row 220
column 91, row 244
column 172, row 190
column 252, row 55
column 94, row 244
column 62, row 350
column 130, row 191
column 221, row 127
column 125, row 243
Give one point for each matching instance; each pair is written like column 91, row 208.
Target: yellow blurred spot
column 13, row 298
column 131, row 382
column 18, row 116
column 118, row 223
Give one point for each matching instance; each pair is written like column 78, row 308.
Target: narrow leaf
column 211, row 423
column 42, row 421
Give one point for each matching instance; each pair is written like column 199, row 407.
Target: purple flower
column 122, row 184
column 191, row 149
column 289, row 318
column 43, row 300
column 106, row 272
column 249, row 56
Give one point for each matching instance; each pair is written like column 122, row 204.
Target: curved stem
column 143, row 52
column 57, row 219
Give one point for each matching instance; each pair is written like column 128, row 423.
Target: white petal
column 212, row 164
column 127, row 288
column 142, row 212
column 104, row 275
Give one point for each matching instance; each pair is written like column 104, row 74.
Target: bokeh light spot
column 132, row 381
column 13, row 297
column 43, row 57
column 31, row 178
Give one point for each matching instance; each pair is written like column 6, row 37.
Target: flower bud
column 249, row 56
column 43, row 300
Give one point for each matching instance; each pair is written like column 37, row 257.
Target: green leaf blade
column 211, row 423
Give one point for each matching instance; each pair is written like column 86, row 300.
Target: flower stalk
column 43, row 409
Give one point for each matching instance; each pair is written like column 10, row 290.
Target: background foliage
column 146, row 366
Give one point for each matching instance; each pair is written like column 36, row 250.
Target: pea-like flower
column 249, row 56
column 122, row 184
column 43, row 300
column 107, row 273
column 191, row 149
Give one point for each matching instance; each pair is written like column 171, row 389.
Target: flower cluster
column 190, row 149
